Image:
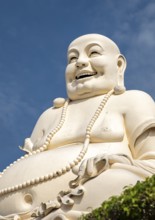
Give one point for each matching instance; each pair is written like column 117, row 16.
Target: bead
column 15, row 187
column 58, row 102
column 93, row 119
column 88, row 136
column 1, row 192
column 50, row 176
column 44, row 148
column 36, row 180
column 55, row 131
column 68, row 168
column 28, row 183
column 34, row 152
column 81, row 155
column 84, row 151
column 5, row 190
column 46, row 142
column 9, row 189
column 41, row 149
column 12, row 189
column 97, row 112
column 32, row 182
column 88, row 129
column 72, row 164
column 91, row 125
column 46, row 177
column 20, row 186
column 103, row 104
column 63, row 170
column 79, row 158
column 24, row 184
column 63, row 115
column 48, row 138
column 100, row 108
column 76, row 162
column 59, row 172
column 41, row 178
column 49, row 135
column 59, row 127
column 54, row 174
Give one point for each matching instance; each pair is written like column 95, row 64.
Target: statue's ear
column 121, row 66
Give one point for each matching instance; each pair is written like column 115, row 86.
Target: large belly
column 42, row 164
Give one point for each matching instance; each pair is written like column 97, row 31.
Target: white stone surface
column 96, row 142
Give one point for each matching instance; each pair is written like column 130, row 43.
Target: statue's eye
column 94, row 54
column 72, row 59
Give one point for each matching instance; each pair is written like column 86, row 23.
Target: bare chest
column 108, row 127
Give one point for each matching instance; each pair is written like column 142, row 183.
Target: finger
column 101, row 163
column 75, row 170
column 99, row 158
column 82, row 168
column 90, row 166
column 119, row 159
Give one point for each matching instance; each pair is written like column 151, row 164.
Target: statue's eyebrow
column 93, row 44
column 72, row 50
column 75, row 50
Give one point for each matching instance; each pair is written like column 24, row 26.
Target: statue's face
column 92, row 66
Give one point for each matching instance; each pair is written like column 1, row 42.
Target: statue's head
column 95, row 66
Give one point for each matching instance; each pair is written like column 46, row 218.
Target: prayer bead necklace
column 49, row 137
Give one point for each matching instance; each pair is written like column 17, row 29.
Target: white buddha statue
column 87, row 148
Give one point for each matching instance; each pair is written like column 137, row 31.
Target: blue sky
column 34, row 36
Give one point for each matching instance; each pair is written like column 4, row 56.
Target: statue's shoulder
column 134, row 96
column 54, row 110
column 138, row 101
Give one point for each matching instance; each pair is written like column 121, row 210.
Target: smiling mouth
column 85, row 75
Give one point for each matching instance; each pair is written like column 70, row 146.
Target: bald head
column 95, row 66
column 106, row 42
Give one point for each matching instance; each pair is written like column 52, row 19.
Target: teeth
column 82, row 75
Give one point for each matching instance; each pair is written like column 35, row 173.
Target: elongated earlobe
column 121, row 65
column 119, row 90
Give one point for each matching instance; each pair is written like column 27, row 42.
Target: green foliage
column 135, row 203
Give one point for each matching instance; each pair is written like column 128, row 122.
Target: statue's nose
column 82, row 62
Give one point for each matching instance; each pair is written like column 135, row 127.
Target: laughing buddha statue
column 85, row 148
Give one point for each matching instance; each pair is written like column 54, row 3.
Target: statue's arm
column 140, row 128
column 145, row 149
column 139, row 119
column 38, row 133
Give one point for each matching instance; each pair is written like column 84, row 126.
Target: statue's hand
column 94, row 166
column 28, row 145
